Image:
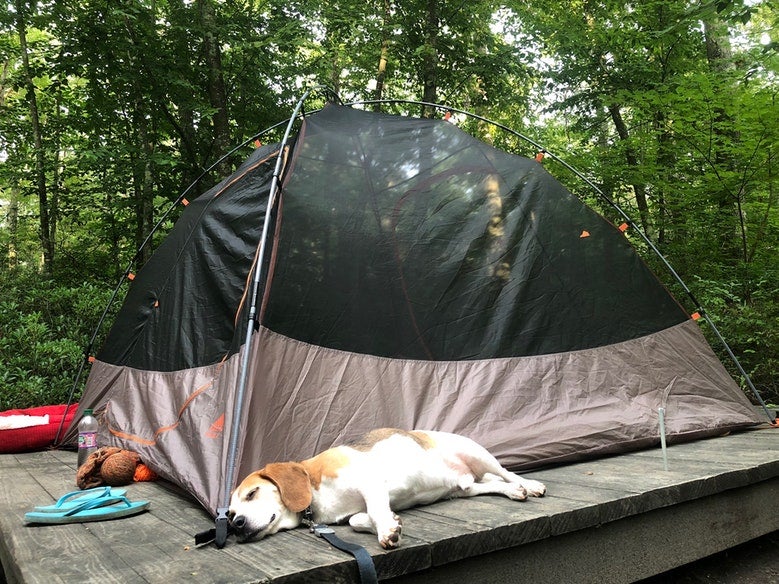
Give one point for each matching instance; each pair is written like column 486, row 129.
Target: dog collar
column 307, row 517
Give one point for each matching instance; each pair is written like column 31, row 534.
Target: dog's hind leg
column 496, row 486
column 488, row 471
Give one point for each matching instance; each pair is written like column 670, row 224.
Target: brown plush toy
column 119, row 469
column 112, row 466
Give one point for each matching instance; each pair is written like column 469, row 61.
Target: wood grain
column 158, row 546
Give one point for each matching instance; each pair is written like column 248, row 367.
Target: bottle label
column 87, row 440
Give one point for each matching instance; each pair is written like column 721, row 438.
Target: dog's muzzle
column 239, row 525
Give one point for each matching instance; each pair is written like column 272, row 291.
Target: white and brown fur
column 366, row 481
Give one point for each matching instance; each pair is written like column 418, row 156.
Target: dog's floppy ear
column 293, row 484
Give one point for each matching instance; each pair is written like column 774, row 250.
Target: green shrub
column 750, row 326
column 45, row 328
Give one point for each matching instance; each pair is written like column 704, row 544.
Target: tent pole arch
column 644, row 237
column 331, row 94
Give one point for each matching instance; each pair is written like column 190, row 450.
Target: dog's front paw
column 389, row 538
column 516, row 492
column 534, row 488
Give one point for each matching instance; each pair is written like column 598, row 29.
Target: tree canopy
column 110, row 109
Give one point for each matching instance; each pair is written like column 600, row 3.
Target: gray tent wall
column 417, row 278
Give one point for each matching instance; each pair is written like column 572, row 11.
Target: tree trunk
column 730, row 224
column 381, row 73
column 430, row 58
column 4, row 80
column 13, row 228
column 335, row 69
column 718, row 52
column 143, row 178
column 665, row 162
column 47, row 243
column 180, row 16
column 58, row 166
column 217, row 91
column 639, row 189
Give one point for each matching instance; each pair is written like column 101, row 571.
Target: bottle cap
column 88, row 412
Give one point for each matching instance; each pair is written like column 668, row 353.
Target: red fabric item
column 36, row 437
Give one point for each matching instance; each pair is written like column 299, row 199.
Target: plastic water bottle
column 87, row 436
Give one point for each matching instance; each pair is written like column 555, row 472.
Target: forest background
column 109, row 109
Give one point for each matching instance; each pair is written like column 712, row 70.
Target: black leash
column 367, row 569
column 364, row 559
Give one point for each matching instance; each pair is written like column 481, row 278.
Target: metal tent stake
column 661, row 415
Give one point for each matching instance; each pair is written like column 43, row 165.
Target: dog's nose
column 238, row 521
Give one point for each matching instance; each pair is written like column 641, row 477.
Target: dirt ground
column 755, row 562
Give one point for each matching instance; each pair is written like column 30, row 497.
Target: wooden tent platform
column 617, row 519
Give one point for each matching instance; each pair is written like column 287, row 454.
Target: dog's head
column 268, row 500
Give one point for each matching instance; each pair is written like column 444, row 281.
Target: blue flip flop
column 95, row 509
column 76, row 498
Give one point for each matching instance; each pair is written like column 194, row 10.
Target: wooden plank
column 270, row 560
column 689, row 480
column 464, row 527
column 172, row 550
column 79, row 557
column 623, row 551
column 158, row 546
column 99, row 550
column 753, row 444
column 581, row 507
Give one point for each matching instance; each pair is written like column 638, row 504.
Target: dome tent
column 411, row 276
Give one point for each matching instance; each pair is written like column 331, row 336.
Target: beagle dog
column 366, row 481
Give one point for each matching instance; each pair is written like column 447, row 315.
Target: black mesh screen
column 398, row 237
column 180, row 310
column 411, row 239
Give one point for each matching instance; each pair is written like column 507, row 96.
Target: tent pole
column 221, row 516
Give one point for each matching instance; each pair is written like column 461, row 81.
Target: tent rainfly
column 412, row 276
